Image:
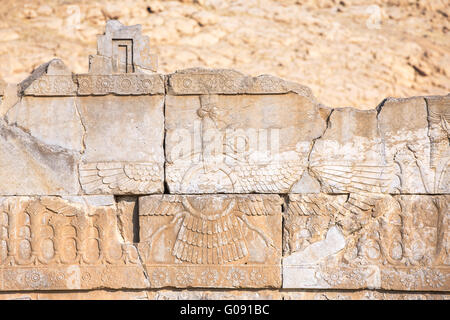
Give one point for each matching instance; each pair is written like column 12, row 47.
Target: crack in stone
column 313, row 142
column 83, row 125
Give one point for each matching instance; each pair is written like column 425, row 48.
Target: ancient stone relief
column 395, row 242
column 213, row 145
column 55, row 243
column 212, row 241
column 169, row 186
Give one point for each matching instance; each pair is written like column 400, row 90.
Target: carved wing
column 270, row 178
column 167, row 205
column 325, row 205
column 357, row 178
column 119, row 177
column 203, row 241
column 60, row 206
column 257, row 205
column 351, row 212
column 315, row 205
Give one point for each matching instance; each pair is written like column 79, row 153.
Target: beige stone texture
column 415, row 133
column 396, row 242
column 122, row 49
column 119, row 84
column 227, row 81
column 196, row 294
column 362, row 295
column 216, row 295
column 2, row 87
column 349, row 156
column 214, row 241
column 49, row 79
column 74, row 295
column 128, row 218
column 238, row 143
column 123, row 144
column 73, row 243
column 350, row 53
column 55, row 121
column 123, row 183
column 30, row 167
column 10, row 98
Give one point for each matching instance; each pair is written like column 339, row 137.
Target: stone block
column 123, row 144
column 73, row 243
column 123, row 49
column 385, row 242
column 416, row 139
column 54, row 121
column 239, row 143
column 211, row 241
column 30, row 167
column 349, row 156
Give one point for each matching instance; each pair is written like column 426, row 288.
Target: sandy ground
column 350, row 52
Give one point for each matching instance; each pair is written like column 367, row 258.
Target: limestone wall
column 125, row 183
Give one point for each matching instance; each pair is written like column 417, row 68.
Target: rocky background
column 349, row 52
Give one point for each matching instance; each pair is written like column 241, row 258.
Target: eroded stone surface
column 123, row 144
column 132, row 181
column 122, row 49
column 50, row 243
column 223, row 295
column 415, row 133
column 30, row 167
column 49, row 79
column 383, row 242
column 53, row 120
column 211, row 241
column 362, row 295
column 239, row 143
column 349, row 156
column 2, row 87
column 227, row 81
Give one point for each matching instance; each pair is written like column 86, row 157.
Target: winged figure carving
column 211, row 230
column 119, row 177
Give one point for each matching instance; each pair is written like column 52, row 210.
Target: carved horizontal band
column 199, row 81
column 123, row 84
column 86, row 84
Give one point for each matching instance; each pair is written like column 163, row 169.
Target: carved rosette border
column 213, row 276
column 121, row 84
column 230, row 83
column 75, row 277
column 371, row 277
column 52, row 85
column 86, row 84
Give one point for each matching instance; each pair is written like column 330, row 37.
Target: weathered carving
column 123, row 84
column 340, row 242
column 223, row 241
column 217, row 81
column 122, row 49
column 215, row 146
column 124, row 147
column 52, row 85
column 414, row 132
column 50, row 79
column 120, row 178
column 51, row 243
